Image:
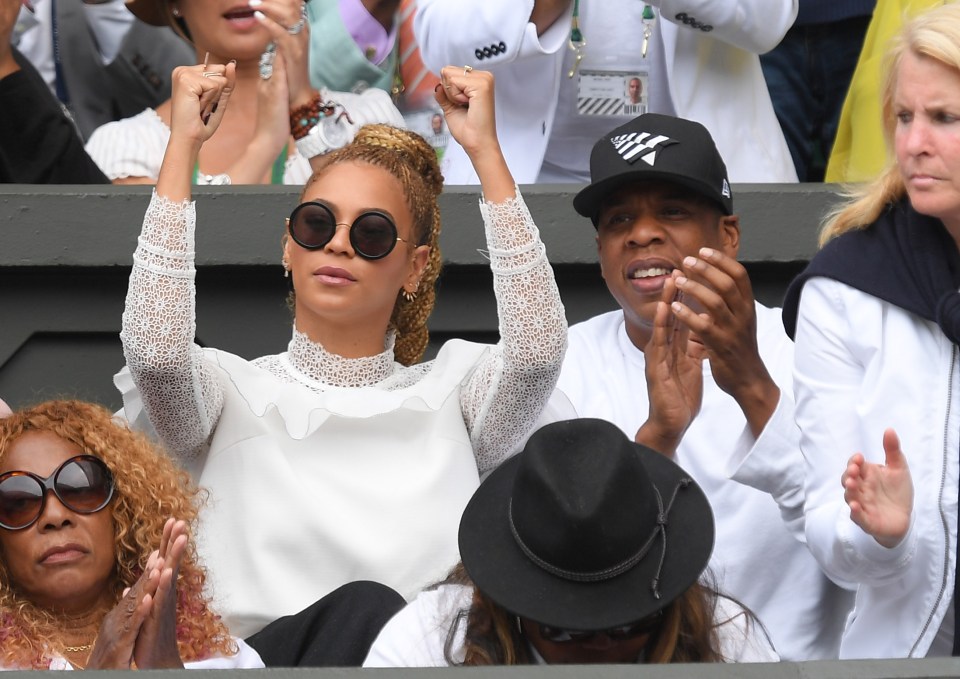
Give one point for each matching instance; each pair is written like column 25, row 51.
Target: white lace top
column 134, row 147
column 323, row 469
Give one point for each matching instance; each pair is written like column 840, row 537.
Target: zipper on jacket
column 943, row 519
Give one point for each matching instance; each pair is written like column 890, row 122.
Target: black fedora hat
column 655, row 147
column 585, row 529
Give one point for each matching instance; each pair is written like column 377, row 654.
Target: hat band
column 620, row 568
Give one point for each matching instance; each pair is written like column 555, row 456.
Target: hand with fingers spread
column 117, row 638
column 156, row 646
column 674, row 375
column 880, row 496
column 719, row 309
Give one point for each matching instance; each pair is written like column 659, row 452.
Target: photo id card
column 612, row 93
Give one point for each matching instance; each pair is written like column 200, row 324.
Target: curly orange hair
column 149, row 489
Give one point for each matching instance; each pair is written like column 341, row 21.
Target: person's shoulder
column 145, row 121
column 742, row 636
column 770, row 324
column 245, row 658
column 597, row 327
column 416, row 636
column 455, row 356
column 587, row 341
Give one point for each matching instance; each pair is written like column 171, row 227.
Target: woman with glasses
column 94, row 574
column 584, row 548
column 343, row 457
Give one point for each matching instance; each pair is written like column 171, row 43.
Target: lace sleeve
column 180, row 393
column 505, row 395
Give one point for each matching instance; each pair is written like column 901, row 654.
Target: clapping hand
column 156, row 646
column 674, row 375
column 719, row 309
column 114, row 648
column 880, row 496
column 142, row 627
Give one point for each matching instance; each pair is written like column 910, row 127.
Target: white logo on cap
column 630, row 146
column 725, row 191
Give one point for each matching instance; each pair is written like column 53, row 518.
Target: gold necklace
column 78, row 649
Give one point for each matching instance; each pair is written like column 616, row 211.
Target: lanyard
column 577, row 41
column 276, row 172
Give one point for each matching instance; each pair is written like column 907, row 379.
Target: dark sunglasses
column 557, row 635
column 83, row 484
column 373, row 235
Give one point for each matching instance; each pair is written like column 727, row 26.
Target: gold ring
column 467, row 69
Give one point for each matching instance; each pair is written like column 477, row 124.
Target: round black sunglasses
column 373, row 234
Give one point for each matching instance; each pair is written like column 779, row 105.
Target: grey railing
column 65, row 254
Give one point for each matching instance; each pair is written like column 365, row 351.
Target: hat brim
column 500, row 570
column 152, row 12
column 587, row 202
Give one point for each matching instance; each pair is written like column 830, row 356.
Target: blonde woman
column 876, row 318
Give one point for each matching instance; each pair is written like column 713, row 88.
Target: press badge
column 612, row 93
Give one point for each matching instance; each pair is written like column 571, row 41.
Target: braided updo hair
column 408, row 157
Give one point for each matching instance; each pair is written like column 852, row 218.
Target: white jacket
column 863, row 365
column 714, row 75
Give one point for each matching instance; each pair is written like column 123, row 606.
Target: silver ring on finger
column 209, row 74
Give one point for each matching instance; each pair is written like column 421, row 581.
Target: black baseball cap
column 654, row 146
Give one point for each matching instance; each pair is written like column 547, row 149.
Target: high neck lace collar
column 316, row 363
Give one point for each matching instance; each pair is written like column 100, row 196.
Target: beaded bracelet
column 305, row 117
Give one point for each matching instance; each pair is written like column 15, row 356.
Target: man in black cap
column 685, row 367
